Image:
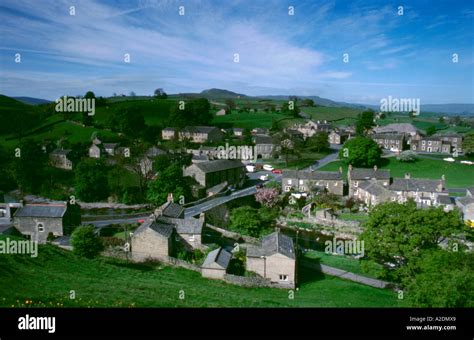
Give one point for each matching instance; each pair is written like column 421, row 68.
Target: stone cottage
column 152, row 240
column 216, row 263
column 356, row 176
column 39, row 220
column 274, row 259
column 466, row 205
column 212, row 173
column 305, row 181
column 59, row 159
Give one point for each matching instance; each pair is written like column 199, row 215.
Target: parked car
column 267, row 167
column 250, row 168
column 141, row 221
column 277, row 171
column 467, row 162
column 449, row 159
column 264, row 177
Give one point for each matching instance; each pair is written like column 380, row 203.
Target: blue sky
column 407, row 56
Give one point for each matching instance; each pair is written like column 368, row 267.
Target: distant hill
column 16, row 116
column 452, row 109
column 32, row 101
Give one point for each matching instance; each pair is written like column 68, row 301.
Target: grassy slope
column 457, row 175
column 48, row 279
column 253, row 120
column 331, row 113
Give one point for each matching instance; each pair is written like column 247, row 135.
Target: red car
column 141, row 221
column 276, row 171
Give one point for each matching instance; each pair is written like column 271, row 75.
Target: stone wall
column 256, row 281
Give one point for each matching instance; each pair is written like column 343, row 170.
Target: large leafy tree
column 170, row 180
column 468, row 143
column 360, row 152
column 91, row 180
column 85, row 242
column 365, row 122
column 318, row 142
column 398, row 234
column 128, row 120
column 194, row 112
column 30, row 166
column 444, row 279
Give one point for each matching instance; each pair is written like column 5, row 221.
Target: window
column 191, row 238
column 283, row 277
column 356, row 184
column 301, row 182
column 287, row 188
column 40, row 227
column 289, row 181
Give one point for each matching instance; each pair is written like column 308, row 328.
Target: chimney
column 407, row 175
column 440, row 186
column 375, row 168
column 350, row 167
column 340, row 169
column 170, row 197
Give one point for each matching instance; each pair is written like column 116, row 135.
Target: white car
column 250, row 168
column 449, row 159
column 467, row 162
column 264, row 177
column 267, row 167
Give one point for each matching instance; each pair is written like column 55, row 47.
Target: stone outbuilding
column 152, row 240
column 216, row 263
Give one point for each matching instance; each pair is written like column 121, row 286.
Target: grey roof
column 154, row 151
column 171, row 209
column 219, row 165
column 361, row 174
column 397, row 127
column 273, row 243
column 220, row 256
column 238, row 129
column 387, row 136
column 465, row 200
column 169, row 129
column 42, row 210
column 374, row 188
column 470, row 191
column 445, row 199
column 188, row 225
column 110, row 145
column 315, row 175
column 263, row 139
column 410, row 184
column 199, row 129
column 60, row 152
column 162, row 228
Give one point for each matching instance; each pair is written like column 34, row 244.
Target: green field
column 331, row 113
column 48, row 279
column 457, row 175
column 250, row 120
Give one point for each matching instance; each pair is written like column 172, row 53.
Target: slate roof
column 199, row 129
column 263, row 139
column 110, row 145
column 410, row 184
column 219, row 165
column 314, row 175
column 374, row 188
column 162, row 228
column 154, row 151
column 397, row 127
column 445, row 199
column 465, row 200
column 470, row 191
column 171, row 129
column 60, row 152
column 387, row 136
column 188, row 225
column 42, row 210
column 220, row 256
column 171, row 209
column 361, row 174
column 273, row 243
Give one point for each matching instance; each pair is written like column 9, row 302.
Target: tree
column 230, row 104
column 360, row 152
column 87, row 119
column 308, row 102
column 399, row 233
column 170, row 180
column 86, row 243
column 468, row 143
column 91, row 180
column 132, row 94
column 444, row 279
column 407, row 156
column 160, row 93
column 195, row 112
column 250, row 221
column 30, row 166
column 431, row 130
column 365, row 122
column 128, row 120
column 318, row 142
column 89, row 95
column 441, row 120
column 267, row 197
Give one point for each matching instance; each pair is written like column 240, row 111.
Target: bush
column 86, row 243
column 407, row 156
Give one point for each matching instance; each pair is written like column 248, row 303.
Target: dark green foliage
column 195, row 112
column 250, row 221
column 360, row 152
column 318, row 142
column 170, row 180
column 128, row 120
column 91, row 180
column 30, row 166
column 365, row 122
column 86, row 243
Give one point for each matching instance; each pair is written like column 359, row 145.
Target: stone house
column 216, row 263
column 201, row 134
column 430, row 144
column 305, row 181
column 389, row 141
column 238, row 132
column 265, row 147
column 466, row 205
column 356, row 176
column 211, row 173
column 59, row 159
column 152, row 240
column 425, row 192
column 168, row 133
column 396, row 128
column 39, row 220
column 260, row 131
column 274, row 259
column 110, row 148
column 311, row 127
column 338, row 137
column 454, row 140
column 372, row 193
column 94, row 151
column 221, row 112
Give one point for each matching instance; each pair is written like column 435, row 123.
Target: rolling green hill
column 46, row 281
column 16, row 116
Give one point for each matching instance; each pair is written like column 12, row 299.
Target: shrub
column 86, row 243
